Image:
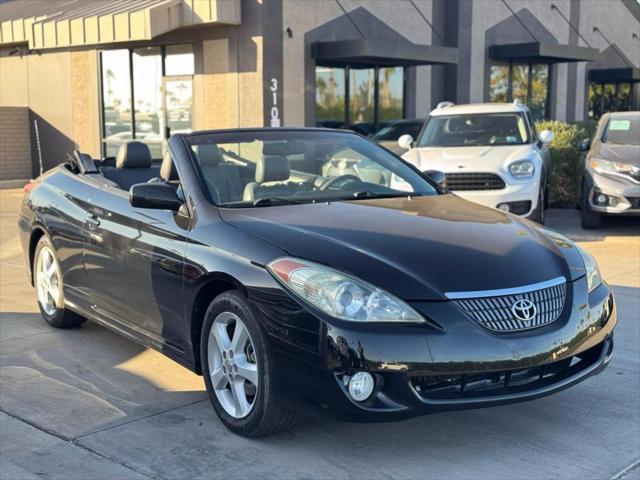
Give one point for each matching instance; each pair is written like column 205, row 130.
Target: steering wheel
column 339, row 182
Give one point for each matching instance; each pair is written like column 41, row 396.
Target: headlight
column 522, row 169
column 594, row 280
column 607, row 166
column 339, row 294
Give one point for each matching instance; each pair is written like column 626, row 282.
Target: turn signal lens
column 339, row 294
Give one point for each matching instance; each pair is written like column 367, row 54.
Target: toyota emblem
column 524, row 310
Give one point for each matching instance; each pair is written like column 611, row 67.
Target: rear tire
column 242, row 368
column 47, row 278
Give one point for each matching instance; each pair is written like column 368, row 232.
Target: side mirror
column 545, row 136
column 405, row 141
column 160, row 196
column 584, row 145
column 438, row 177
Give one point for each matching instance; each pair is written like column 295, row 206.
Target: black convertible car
column 309, row 270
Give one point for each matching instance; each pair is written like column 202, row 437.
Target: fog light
column 361, row 386
column 504, row 207
column 602, row 199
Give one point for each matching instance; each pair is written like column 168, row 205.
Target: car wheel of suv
column 238, row 369
column 47, row 279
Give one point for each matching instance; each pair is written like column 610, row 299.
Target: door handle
column 92, row 221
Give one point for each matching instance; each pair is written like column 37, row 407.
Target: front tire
column 539, row 213
column 238, row 369
column 589, row 218
column 47, row 278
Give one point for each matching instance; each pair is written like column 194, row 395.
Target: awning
column 543, row 52
column 68, row 23
column 372, row 52
column 605, row 75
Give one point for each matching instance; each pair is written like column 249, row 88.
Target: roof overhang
column 372, row 52
column 74, row 23
column 543, row 52
column 604, row 75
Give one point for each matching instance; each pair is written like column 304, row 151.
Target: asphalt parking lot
column 87, row 403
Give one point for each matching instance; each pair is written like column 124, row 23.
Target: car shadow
column 81, row 380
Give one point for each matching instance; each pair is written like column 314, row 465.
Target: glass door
column 178, row 104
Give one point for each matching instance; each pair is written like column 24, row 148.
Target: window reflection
column 330, row 96
column 147, row 87
column 539, row 90
column 499, row 84
column 520, row 83
column 361, row 95
column 116, row 93
column 608, row 97
column 179, row 98
column 390, row 94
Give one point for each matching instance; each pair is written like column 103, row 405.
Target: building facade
column 90, row 75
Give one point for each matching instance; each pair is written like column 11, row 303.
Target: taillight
column 28, row 187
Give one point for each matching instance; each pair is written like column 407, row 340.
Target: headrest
column 275, row 148
column 209, row 155
column 272, row 168
column 168, row 170
column 133, row 155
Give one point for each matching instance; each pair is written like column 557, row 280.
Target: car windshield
column 623, row 130
column 475, row 130
column 278, row 167
column 395, row 130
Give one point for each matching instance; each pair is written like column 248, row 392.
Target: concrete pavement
column 86, row 403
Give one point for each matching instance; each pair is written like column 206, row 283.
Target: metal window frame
column 130, row 50
column 376, row 91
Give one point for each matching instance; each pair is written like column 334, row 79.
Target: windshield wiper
column 364, row 194
column 267, row 201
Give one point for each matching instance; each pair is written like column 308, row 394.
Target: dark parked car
column 388, row 135
column 611, row 183
column 304, row 270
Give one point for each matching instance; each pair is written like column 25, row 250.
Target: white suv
column 489, row 152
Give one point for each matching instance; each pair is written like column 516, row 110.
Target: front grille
column 474, row 181
column 495, row 313
column 505, row 382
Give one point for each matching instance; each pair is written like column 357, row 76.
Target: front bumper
column 624, row 192
column 523, row 191
column 419, row 370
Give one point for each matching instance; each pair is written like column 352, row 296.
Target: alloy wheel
column 232, row 364
column 48, row 282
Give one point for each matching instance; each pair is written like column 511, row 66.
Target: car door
column 134, row 261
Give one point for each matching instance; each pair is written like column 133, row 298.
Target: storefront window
column 375, row 97
column 608, row 97
column 390, row 94
column 330, row 97
column 361, row 99
column 142, row 103
column 147, row 85
column 499, row 83
column 539, row 90
column 527, row 82
column 116, row 93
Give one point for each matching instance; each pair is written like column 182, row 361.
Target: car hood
column 454, row 159
column 619, row 153
column 416, row 248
